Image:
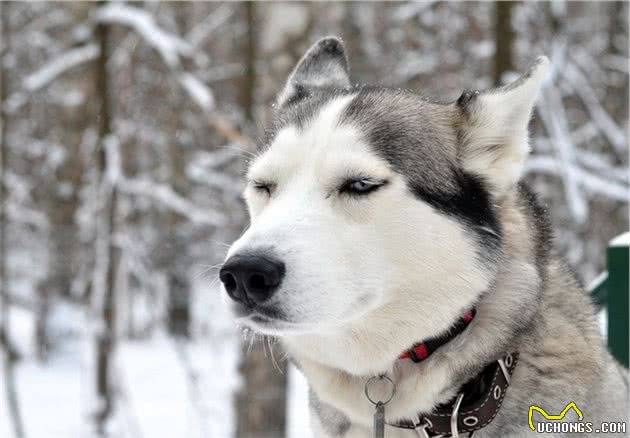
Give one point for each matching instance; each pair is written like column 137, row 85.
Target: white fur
column 497, row 141
column 367, row 277
column 356, row 264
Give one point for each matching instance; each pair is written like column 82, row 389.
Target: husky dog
column 379, row 218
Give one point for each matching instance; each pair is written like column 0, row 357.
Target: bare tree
column 108, row 253
column 262, row 398
column 7, row 351
column 504, row 36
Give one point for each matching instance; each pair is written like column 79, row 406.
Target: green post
column 617, row 289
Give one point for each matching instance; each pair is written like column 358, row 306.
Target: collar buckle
column 445, row 422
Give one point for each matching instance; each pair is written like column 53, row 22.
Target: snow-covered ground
column 166, row 387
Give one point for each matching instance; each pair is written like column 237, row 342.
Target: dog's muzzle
column 251, row 279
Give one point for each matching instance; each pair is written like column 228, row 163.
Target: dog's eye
column 263, row 187
column 360, row 186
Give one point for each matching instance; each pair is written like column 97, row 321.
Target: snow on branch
column 168, row 198
column 602, row 120
column 161, row 193
column 554, row 119
column 212, row 22
column 592, row 183
column 21, row 214
column 169, row 46
column 59, row 65
column 113, row 172
column 411, row 10
column 197, row 91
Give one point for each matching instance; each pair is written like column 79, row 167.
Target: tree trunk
column 262, row 399
column 177, row 261
column 103, row 295
column 249, row 55
column 504, row 36
column 6, row 349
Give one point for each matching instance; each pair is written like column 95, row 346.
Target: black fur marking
column 410, row 133
column 467, row 97
column 471, row 203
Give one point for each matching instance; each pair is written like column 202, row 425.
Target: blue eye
column 360, row 186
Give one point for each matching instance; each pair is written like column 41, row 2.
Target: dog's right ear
column 324, row 65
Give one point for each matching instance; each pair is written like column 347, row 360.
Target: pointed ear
column 494, row 131
column 323, row 65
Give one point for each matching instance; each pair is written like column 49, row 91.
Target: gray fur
column 324, row 65
column 534, row 305
column 333, row 421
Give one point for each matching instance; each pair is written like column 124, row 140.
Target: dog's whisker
column 273, row 359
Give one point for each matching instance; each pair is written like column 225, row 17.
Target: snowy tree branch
column 168, row 198
column 554, row 118
column 59, row 65
column 602, row 120
column 591, row 182
column 169, row 46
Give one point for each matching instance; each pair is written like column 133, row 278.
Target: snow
column 197, row 91
column 169, row 46
column 200, row 32
column 298, row 416
column 50, row 396
column 590, row 182
column 168, row 198
column 606, row 125
column 167, row 387
column 621, row 240
column 155, row 387
column 113, row 172
column 554, row 118
column 59, row 65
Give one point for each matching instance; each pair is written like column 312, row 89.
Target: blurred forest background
column 125, row 129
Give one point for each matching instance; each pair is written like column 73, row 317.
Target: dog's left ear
column 494, row 134
column 324, row 65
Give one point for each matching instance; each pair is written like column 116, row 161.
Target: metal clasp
column 421, row 429
column 504, row 368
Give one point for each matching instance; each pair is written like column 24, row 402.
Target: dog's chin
column 267, row 326
column 266, row 321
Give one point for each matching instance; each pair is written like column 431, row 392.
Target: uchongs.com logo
column 556, row 423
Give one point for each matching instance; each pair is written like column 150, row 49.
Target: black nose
column 251, row 279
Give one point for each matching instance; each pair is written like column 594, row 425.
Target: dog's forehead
column 413, row 136
column 322, row 142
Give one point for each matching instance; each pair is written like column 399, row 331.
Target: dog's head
column 365, row 197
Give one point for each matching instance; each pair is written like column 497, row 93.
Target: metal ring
column 470, row 421
column 381, row 377
column 508, row 360
column 496, row 393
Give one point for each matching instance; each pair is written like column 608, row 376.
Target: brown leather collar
column 474, row 408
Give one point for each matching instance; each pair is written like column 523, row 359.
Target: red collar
column 422, row 350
